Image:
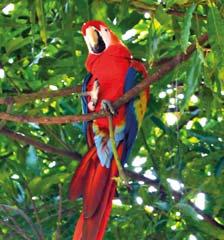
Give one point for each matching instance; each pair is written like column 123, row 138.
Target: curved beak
column 95, row 40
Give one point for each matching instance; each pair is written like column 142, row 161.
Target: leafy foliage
column 181, row 140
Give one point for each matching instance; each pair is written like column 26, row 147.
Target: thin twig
column 17, row 231
column 65, row 211
column 22, row 214
column 194, row 114
column 36, row 213
column 44, row 93
column 14, row 223
column 58, row 231
column 51, row 133
column 182, row 14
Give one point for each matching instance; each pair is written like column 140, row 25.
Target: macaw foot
column 107, row 106
column 122, row 180
column 118, row 181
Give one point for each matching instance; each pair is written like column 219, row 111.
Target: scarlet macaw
column 112, row 72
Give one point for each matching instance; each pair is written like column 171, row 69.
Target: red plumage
column 94, row 179
column 89, row 177
column 110, row 69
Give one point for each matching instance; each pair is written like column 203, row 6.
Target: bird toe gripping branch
column 107, row 106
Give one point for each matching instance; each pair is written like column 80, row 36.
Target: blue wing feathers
column 131, row 126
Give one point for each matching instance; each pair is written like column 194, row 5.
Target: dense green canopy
column 177, row 163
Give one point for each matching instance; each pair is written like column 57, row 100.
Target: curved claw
column 107, row 106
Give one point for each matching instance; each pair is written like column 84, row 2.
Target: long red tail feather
column 97, row 187
column 80, row 177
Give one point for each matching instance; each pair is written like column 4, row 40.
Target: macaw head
column 98, row 36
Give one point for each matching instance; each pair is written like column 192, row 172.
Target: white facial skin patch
column 91, row 37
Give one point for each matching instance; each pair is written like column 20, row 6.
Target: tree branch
column 44, row 93
column 162, row 71
column 23, row 215
column 142, row 6
column 19, row 232
column 182, row 14
column 40, row 145
column 36, row 214
column 14, row 225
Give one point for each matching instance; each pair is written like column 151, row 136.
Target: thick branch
column 182, row 14
column 162, row 71
column 142, row 6
column 42, row 146
column 65, row 153
column 45, row 93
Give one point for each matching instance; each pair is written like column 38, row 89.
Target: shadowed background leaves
column 179, row 148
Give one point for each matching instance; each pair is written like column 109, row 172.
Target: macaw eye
column 106, row 30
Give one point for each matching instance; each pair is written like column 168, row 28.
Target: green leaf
column 41, row 185
column 216, row 31
column 162, row 205
column 16, row 44
column 216, row 38
column 163, row 17
column 123, row 10
column 219, row 167
column 84, row 9
column 203, row 136
column 192, row 219
column 31, row 159
column 99, row 10
column 185, row 33
column 192, row 80
column 41, row 20
column 160, row 124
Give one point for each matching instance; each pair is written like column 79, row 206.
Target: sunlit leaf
column 17, row 43
column 219, row 167
column 99, row 10
column 186, row 27
column 41, row 185
column 41, row 19
column 192, row 80
column 216, row 31
column 191, row 214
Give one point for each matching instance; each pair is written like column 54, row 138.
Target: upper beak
column 95, row 40
column 92, row 37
